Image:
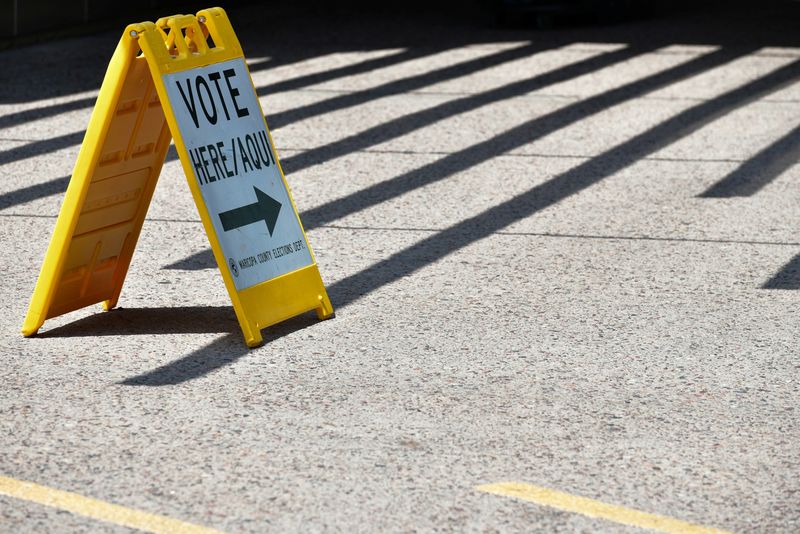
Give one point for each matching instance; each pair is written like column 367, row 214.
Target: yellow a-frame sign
column 182, row 78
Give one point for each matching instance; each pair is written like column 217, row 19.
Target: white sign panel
column 234, row 165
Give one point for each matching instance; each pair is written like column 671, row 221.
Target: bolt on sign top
column 182, row 78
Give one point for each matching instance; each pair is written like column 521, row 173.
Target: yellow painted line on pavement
column 86, row 506
column 596, row 509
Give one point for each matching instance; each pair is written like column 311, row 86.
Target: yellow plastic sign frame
column 116, row 172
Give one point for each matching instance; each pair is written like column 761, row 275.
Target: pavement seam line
column 595, row 509
column 710, row 241
column 97, row 509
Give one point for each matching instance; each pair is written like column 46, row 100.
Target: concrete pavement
column 562, row 258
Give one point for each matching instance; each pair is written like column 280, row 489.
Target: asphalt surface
column 568, row 258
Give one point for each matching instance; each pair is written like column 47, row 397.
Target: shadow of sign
column 218, row 354
column 140, row 321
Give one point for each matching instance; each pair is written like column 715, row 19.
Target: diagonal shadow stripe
column 760, row 170
column 456, row 237
column 33, row 192
column 512, row 139
column 43, row 146
column 21, row 117
column 367, row 65
column 261, row 64
column 414, row 121
column 476, row 154
column 787, row 278
column 404, row 85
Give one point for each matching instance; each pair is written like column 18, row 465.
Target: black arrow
column 264, row 209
